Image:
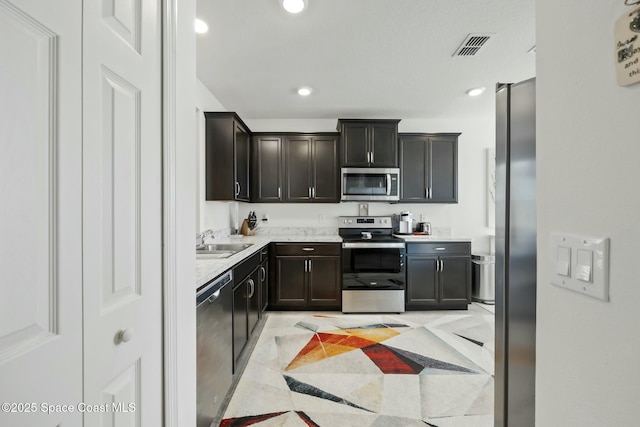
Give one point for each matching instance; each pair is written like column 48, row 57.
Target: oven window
column 365, row 184
column 364, row 260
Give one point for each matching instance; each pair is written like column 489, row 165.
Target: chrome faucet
column 203, row 237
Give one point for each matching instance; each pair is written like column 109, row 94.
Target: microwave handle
column 388, row 184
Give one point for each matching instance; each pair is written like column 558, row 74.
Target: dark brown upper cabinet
column 267, row 168
column 295, row 167
column 227, row 157
column 428, row 168
column 369, row 143
column 311, row 168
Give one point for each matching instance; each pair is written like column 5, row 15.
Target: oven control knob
column 350, row 221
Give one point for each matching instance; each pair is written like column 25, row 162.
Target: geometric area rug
column 410, row 369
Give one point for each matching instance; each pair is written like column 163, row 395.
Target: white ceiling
column 363, row 58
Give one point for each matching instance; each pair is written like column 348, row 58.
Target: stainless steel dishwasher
column 214, row 365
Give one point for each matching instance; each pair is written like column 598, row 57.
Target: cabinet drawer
column 439, row 248
column 244, row 268
column 307, row 249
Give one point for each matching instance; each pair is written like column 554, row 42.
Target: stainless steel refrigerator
column 515, row 349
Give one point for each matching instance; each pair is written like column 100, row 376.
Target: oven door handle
column 383, row 245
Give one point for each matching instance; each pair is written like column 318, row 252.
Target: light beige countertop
column 208, row 269
column 423, row 238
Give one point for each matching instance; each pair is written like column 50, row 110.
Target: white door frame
column 179, row 77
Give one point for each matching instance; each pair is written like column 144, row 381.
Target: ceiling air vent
column 472, row 44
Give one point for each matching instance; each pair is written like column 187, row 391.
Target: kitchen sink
column 221, row 250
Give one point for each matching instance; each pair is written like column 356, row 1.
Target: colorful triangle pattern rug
column 410, row 369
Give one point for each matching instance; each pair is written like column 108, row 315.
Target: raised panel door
column 325, row 281
column 413, row 174
column 41, row 209
column 422, row 281
column 383, row 144
column 326, row 174
column 241, row 158
column 266, row 169
column 455, row 279
column 290, row 286
column 298, row 169
column 355, row 144
column 253, row 300
column 240, row 324
column 443, row 169
column 122, row 210
column 219, row 156
column 264, row 285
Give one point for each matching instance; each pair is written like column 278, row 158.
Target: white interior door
column 122, row 212
column 40, row 212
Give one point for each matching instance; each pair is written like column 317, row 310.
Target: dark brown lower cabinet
column 246, row 304
column 307, row 276
column 264, row 279
column 437, row 281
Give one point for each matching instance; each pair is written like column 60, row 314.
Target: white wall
column 466, row 218
column 209, row 215
column 587, row 166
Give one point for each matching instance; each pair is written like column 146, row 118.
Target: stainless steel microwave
column 370, row 184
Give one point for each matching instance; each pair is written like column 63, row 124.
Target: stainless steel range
column 373, row 266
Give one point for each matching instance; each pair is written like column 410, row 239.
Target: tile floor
column 430, row 368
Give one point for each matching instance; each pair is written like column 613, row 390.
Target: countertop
column 208, row 269
column 413, row 238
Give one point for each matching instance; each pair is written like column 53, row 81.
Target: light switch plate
column 589, row 264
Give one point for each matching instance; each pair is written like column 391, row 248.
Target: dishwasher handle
column 211, row 291
column 214, row 296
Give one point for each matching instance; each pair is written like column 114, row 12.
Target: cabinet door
column 455, row 278
column 240, row 333
column 219, row 155
column 324, row 281
column 241, row 157
column 266, row 169
column 290, row 285
column 413, row 174
column 253, row 300
column 298, row 169
column 264, row 285
column 355, row 144
column 443, row 169
column 422, row 281
column 326, row 174
column 383, row 144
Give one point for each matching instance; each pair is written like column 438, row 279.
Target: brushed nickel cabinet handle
column 308, row 249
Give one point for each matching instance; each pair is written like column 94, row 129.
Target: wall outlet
column 423, row 217
column 265, row 217
column 320, row 219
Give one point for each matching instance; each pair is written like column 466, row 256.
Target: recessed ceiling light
column 475, row 91
column 200, row 26
column 304, row 91
column 294, row 6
